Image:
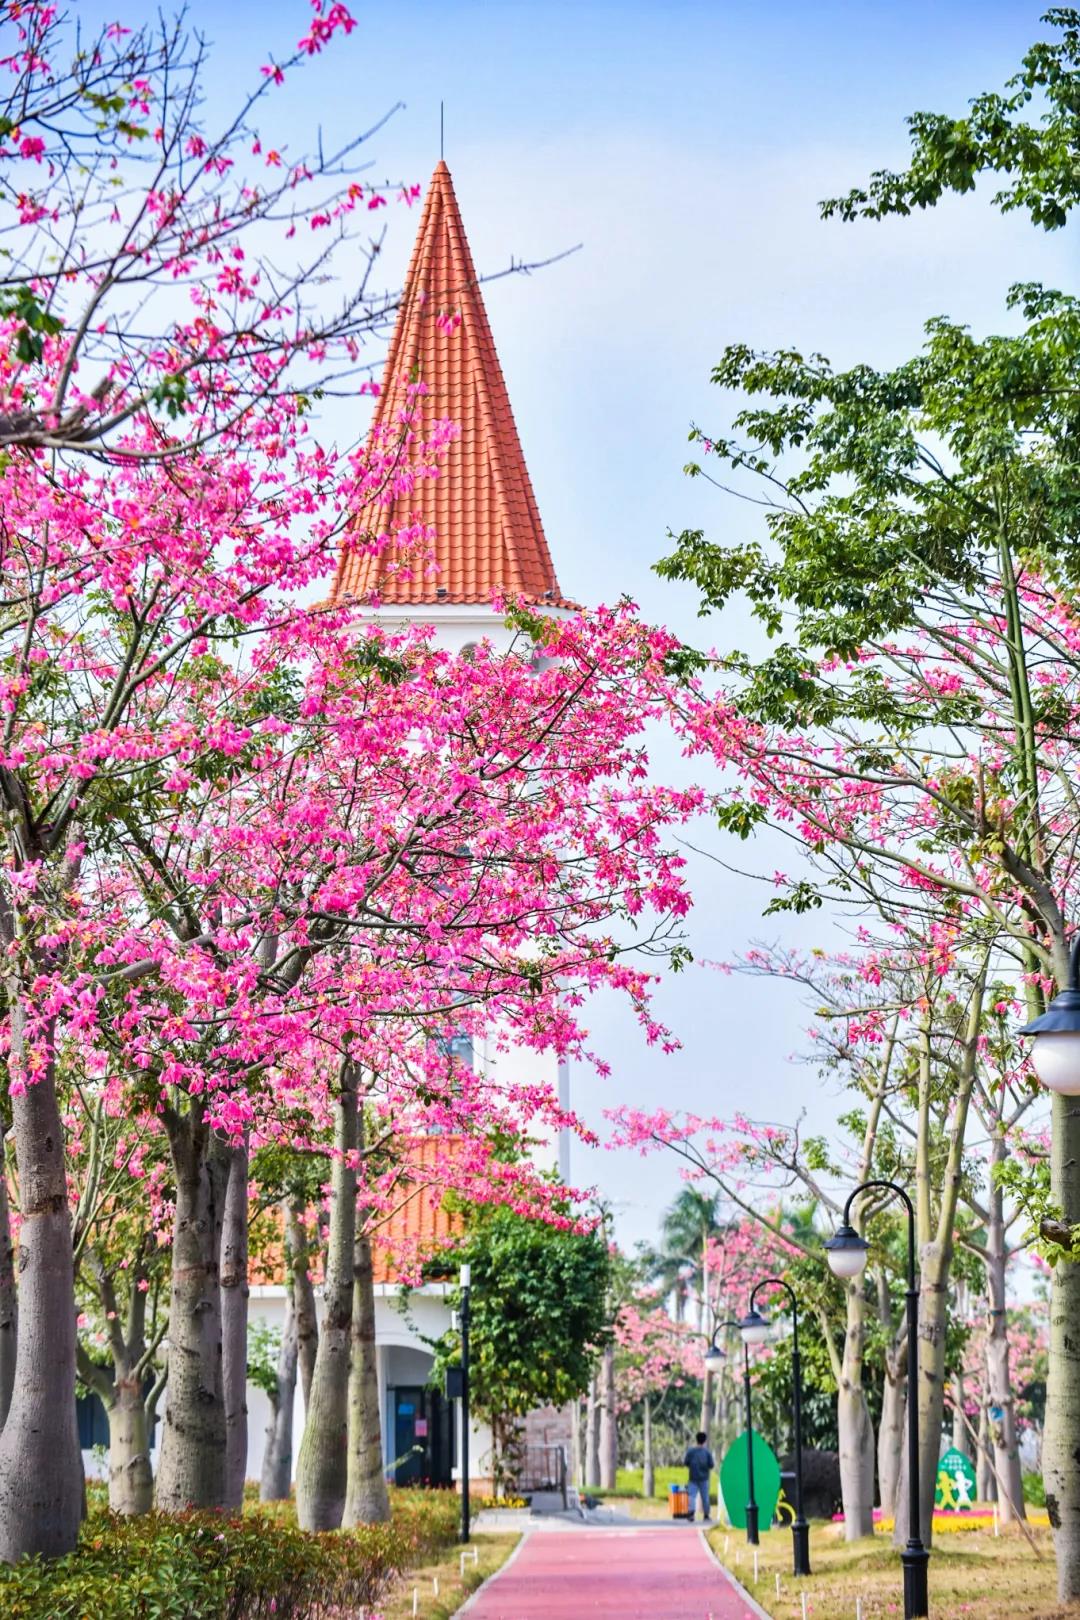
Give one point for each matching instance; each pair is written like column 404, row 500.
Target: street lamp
column 1055, row 1048
column 847, row 1253
column 756, row 1329
column 715, row 1357
column 465, row 1281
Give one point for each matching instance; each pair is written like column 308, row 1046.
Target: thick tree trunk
column 891, row 1437
column 609, row 1434
column 933, row 1305
column 191, row 1473
column 322, row 1467
column 648, row 1473
column 276, row 1478
column 592, row 1437
column 1061, row 1439
column 40, row 1461
column 855, row 1432
column 367, row 1500
column 131, row 1481
column 303, row 1296
column 856, row 1436
column 235, row 1294
column 9, row 1306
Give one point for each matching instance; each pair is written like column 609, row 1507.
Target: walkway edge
column 474, row 1597
column 747, row 1597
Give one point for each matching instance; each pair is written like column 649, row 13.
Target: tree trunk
column 1061, row 1439
column 367, row 1500
column 609, row 1433
column 577, row 1437
column 9, row 1305
column 933, row 1305
column 855, row 1432
column 303, row 1293
column 706, row 1421
column 985, row 1480
column 856, row 1436
column 891, row 1438
column 40, row 1461
column 322, row 1467
column 191, row 1473
column 648, row 1474
column 592, row 1437
column 960, row 1440
column 999, row 1407
column 235, row 1293
column 276, row 1478
column 131, row 1481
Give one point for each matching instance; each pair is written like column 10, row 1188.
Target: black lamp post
column 714, row 1361
column 847, row 1253
column 1055, row 1049
column 755, row 1329
column 463, row 1313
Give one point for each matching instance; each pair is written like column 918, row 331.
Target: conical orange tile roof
column 488, row 534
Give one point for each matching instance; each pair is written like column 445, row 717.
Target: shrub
column 1034, row 1490
column 198, row 1567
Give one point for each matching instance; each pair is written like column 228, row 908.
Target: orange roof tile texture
column 488, row 535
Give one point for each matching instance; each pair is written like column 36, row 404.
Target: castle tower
column 489, row 540
column 488, row 535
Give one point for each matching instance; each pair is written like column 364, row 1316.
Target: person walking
column 699, row 1464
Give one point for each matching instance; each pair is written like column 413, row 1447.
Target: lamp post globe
column 755, row 1328
column 847, row 1252
column 1055, row 1037
column 715, row 1359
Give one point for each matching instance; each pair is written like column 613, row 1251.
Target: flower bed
column 259, row 1567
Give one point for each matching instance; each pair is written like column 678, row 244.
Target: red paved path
column 628, row 1574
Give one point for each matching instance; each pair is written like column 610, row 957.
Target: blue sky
column 685, row 147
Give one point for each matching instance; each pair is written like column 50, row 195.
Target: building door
column 423, row 1437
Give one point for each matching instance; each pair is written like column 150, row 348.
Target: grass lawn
column 628, row 1482
column 492, row 1552
column 973, row 1576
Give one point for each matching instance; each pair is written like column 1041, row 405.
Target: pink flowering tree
column 654, row 1356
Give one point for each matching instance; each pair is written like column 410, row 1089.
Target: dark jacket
column 699, row 1461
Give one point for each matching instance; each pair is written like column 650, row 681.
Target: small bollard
column 778, row 1583
column 435, row 1584
column 803, row 1596
column 416, row 1600
column 727, row 1541
column 858, row 1608
column 997, row 1521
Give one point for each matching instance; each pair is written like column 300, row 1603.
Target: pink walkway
column 664, row 1574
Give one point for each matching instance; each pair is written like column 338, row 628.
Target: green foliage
column 1034, row 1490
column 538, row 1313
column 175, row 1568
column 263, row 1346
column 37, row 323
column 948, row 154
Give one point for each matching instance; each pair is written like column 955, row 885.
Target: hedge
column 199, row 1567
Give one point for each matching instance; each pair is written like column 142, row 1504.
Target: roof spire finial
column 442, row 130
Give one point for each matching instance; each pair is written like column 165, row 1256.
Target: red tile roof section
column 415, row 1228
column 488, row 534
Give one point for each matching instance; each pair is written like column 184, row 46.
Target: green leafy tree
column 539, row 1317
